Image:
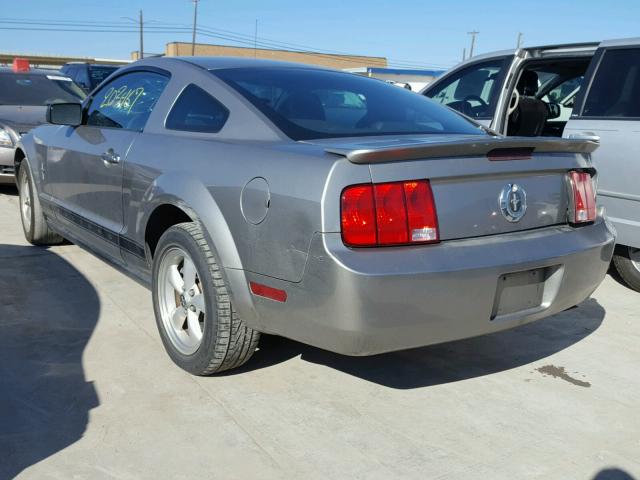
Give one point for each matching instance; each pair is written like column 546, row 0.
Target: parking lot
column 87, row 391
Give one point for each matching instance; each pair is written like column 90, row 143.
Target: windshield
column 308, row 104
column 37, row 89
column 99, row 72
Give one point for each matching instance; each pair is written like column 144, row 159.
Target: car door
column 84, row 165
column 474, row 88
column 609, row 108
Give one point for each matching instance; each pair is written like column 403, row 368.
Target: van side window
column 615, row 91
column 197, row 111
column 473, row 90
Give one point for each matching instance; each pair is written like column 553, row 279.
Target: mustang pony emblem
column 513, row 202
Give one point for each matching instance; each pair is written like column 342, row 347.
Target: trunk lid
column 482, row 185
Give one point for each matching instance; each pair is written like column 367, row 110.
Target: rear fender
column 191, row 196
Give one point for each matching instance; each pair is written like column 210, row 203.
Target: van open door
column 474, row 87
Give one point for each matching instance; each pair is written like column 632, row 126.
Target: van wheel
column 198, row 324
column 627, row 263
column 34, row 223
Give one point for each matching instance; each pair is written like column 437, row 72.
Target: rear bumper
column 368, row 301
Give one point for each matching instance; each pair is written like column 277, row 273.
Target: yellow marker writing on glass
column 123, row 98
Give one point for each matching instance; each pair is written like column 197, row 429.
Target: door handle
column 110, row 157
column 592, row 137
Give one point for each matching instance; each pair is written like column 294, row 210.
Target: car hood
column 20, row 118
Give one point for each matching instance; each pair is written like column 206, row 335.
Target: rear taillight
column 396, row 213
column 583, row 204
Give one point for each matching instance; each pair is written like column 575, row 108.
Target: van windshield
column 314, row 103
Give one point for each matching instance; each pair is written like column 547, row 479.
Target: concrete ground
column 86, row 391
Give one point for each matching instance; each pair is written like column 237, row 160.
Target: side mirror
column 65, row 114
column 554, row 110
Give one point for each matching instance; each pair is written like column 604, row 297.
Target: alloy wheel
column 634, row 256
column 25, row 202
column 181, row 300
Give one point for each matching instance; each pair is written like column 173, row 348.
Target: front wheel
column 34, row 223
column 198, row 324
column 627, row 263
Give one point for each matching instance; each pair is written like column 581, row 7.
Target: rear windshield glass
column 308, row 103
column 98, row 73
column 32, row 89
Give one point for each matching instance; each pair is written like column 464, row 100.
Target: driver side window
column 473, row 90
column 127, row 101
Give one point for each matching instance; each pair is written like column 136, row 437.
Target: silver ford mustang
column 337, row 210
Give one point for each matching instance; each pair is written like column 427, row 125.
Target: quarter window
column 127, row 101
column 473, row 90
column 197, row 111
column 615, row 91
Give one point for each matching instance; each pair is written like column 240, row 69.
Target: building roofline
column 303, row 52
column 396, row 71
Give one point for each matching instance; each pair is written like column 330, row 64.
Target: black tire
column 227, row 342
column 36, row 231
column 625, row 267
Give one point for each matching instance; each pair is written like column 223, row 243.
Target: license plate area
column 525, row 292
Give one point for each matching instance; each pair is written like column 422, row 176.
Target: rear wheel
column 627, row 263
column 199, row 327
column 34, row 223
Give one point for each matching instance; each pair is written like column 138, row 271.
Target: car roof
column 621, row 42
column 218, row 63
column 558, row 48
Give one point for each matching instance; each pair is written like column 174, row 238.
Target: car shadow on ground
column 613, row 474
column 48, row 311
column 449, row 362
column 9, row 190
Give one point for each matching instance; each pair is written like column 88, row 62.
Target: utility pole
column 519, row 39
column 464, row 54
column 195, row 21
column 140, row 22
column 473, row 41
column 141, row 36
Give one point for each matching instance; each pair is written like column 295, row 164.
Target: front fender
column 26, row 145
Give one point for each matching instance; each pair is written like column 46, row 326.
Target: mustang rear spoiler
column 496, row 148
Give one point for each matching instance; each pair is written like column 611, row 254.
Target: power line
column 93, row 30
column 222, row 34
column 309, row 49
column 227, row 35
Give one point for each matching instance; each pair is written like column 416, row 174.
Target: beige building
column 340, row 62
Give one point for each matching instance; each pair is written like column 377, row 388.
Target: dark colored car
column 88, row 75
column 24, row 96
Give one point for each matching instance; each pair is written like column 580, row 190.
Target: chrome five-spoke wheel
column 634, row 256
column 181, row 301
column 197, row 322
column 25, row 202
